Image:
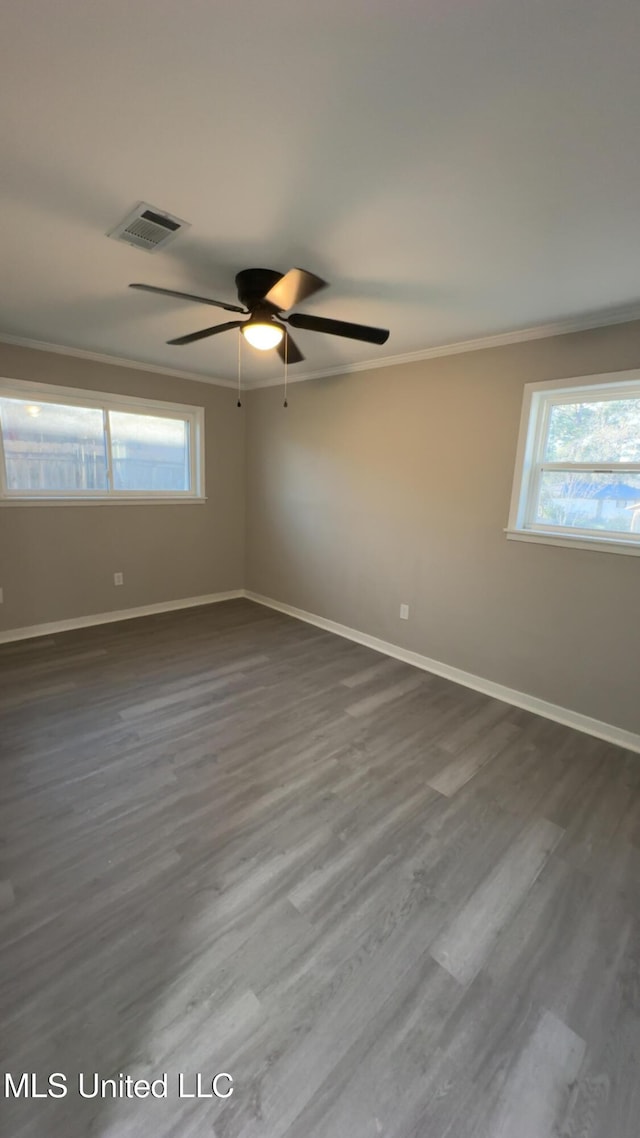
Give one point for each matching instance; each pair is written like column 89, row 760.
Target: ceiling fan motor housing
column 254, row 284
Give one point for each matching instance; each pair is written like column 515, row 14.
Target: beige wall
column 369, row 490
column 394, row 485
column 57, row 562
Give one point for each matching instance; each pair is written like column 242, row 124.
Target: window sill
column 134, row 500
column 597, row 544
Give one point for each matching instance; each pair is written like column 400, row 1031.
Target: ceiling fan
column 264, row 295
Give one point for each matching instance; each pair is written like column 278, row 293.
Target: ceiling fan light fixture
column 262, row 335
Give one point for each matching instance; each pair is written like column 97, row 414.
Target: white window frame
column 538, row 399
column 104, row 401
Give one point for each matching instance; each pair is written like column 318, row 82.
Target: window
column 60, row 444
column 577, row 475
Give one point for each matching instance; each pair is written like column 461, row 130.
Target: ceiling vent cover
column 148, row 228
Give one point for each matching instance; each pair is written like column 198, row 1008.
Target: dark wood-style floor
column 385, row 904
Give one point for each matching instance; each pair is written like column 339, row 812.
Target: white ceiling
column 454, row 168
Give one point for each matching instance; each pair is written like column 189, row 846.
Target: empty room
column 320, row 569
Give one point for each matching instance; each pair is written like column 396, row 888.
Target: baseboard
column 606, row 731
column 55, row 626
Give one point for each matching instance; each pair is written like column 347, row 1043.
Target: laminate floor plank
column 386, row 904
column 474, row 756
column 464, row 947
column 532, row 1093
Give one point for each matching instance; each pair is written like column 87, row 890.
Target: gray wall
column 57, row 562
column 394, row 485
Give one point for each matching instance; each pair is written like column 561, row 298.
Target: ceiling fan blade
column 189, row 339
column 294, row 287
column 293, row 353
column 338, row 328
column 189, row 296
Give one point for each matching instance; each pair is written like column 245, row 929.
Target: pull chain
column 239, row 403
column 286, row 363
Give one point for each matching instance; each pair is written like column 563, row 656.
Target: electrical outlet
column 404, row 612
column 118, row 578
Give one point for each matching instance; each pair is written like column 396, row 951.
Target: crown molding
column 117, row 361
column 601, row 318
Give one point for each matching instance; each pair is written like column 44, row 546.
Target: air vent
column 148, row 228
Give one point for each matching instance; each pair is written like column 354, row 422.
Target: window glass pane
column 583, row 500
column 149, row 453
column 608, row 431
column 49, row 446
